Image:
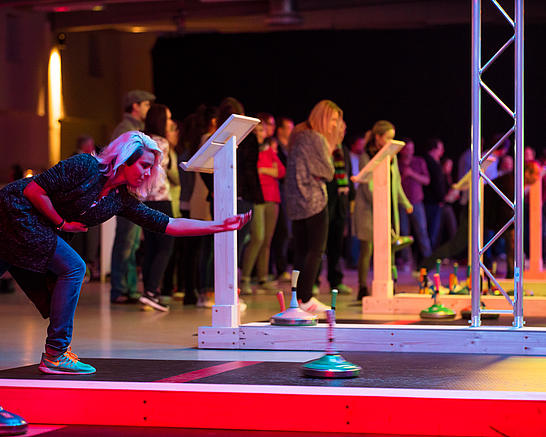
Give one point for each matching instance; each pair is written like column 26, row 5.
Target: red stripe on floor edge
column 209, row 371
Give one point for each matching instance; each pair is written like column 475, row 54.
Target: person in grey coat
column 309, row 167
column 380, row 136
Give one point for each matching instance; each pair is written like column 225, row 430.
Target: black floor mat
column 379, row 370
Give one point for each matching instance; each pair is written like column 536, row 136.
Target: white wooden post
column 382, row 285
column 225, row 310
column 218, row 156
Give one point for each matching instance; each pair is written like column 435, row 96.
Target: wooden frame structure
column 218, row 155
column 378, row 169
column 225, row 333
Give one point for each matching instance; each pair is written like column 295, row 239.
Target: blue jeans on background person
column 415, row 224
column 434, row 222
column 124, row 275
column 70, row 270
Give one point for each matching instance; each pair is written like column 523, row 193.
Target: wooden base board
column 282, row 408
column 532, row 281
column 382, row 338
column 413, row 304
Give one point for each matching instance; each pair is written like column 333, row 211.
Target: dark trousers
column 188, row 269
column 157, row 251
column 455, row 246
column 169, row 284
column 184, row 266
column 243, row 234
column 310, row 237
column 206, row 259
column 334, row 248
column 434, row 222
column 86, row 244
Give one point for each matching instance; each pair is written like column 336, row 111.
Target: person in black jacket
column 340, row 193
column 77, row 193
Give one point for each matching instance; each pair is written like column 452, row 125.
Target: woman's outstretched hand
column 237, row 221
column 181, row 227
column 74, row 227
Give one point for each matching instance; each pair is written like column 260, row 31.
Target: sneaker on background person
column 152, row 300
column 178, row 295
column 204, row 301
column 343, row 289
column 65, row 363
column 245, row 287
column 284, row 277
column 123, row 299
column 362, row 292
column 267, row 286
column 314, row 306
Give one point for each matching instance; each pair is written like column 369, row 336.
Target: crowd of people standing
column 309, row 213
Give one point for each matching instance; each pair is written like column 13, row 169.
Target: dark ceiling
column 260, row 15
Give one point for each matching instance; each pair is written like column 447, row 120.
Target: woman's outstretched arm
column 181, row 227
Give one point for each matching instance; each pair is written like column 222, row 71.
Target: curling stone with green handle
column 437, row 310
column 332, row 364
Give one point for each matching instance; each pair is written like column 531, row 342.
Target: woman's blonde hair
column 340, row 132
column 118, row 152
column 381, row 127
column 319, row 119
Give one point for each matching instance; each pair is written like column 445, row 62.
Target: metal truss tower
column 478, row 174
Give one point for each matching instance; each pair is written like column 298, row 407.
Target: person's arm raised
column 181, row 227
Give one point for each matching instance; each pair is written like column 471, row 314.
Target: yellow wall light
column 55, row 105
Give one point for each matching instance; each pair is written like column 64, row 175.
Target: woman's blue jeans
column 70, row 270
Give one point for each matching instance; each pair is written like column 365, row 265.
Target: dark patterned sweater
column 28, row 239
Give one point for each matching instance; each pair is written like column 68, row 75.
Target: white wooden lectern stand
column 218, row 156
column 378, row 170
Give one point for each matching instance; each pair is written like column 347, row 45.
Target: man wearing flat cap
column 136, row 104
column 123, row 274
